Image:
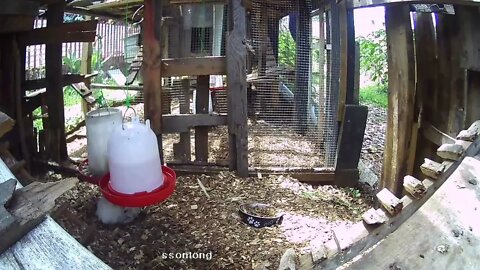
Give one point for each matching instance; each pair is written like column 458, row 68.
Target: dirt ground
column 190, row 224
column 189, row 221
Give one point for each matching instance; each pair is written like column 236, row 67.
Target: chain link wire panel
column 290, row 97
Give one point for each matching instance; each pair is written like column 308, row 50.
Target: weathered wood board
column 443, row 234
column 48, row 246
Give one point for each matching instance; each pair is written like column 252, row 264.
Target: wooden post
column 152, row 62
column 350, row 145
column 86, row 68
column 347, row 61
column 303, row 65
column 236, row 54
column 321, row 69
column 56, row 142
column 201, row 106
column 401, row 85
column 182, row 150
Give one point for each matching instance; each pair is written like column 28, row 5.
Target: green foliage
column 373, row 57
column 355, row 192
column 374, row 95
column 286, row 48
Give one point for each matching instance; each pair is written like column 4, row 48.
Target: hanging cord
column 128, row 99
column 101, row 101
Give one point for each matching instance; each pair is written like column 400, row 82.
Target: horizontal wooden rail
column 194, row 66
column 183, row 122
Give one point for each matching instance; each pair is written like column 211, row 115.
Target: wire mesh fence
column 289, row 89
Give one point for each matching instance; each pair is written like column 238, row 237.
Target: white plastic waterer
column 100, row 124
column 134, row 159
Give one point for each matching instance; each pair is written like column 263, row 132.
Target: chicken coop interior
column 133, row 132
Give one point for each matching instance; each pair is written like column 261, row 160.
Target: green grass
column 374, row 95
column 71, row 97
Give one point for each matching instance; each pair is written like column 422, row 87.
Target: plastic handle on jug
column 147, row 123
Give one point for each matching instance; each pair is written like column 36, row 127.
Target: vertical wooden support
column 152, row 79
column 182, row 150
column 425, row 50
column 356, row 84
column 201, row 133
column 347, row 61
column 56, row 141
column 303, row 65
column 321, row 70
column 236, row 54
column 333, row 74
column 86, row 67
column 469, row 19
column 401, row 86
column 350, row 145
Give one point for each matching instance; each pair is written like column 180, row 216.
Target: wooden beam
column 351, row 140
column 152, row 62
column 373, row 3
column 347, row 59
column 30, row 207
column 194, row 66
column 182, row 149
column 237, row 87
column 401, row 97
column 183, row 123
column 302, row 63
column 15, row 7
column 436, row 136
column 56, row 141
column 6, row 124
column 66, row 79
column 201, row 132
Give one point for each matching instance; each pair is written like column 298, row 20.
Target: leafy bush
column 373, row 57
column 286, row 48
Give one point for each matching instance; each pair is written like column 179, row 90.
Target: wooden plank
column 236, row 54
column 29, row 208
column 347, row 64
column 436, row 136
column 51, row 34
column 391, row 203
column 37, row 250
column 152, row 79
column 184, row 122
column 6, row 124
column 432, row 169
column 182, row 150
column 302, row 64
column 194, row 66
column 401, row 84
column 56, row 141
column 374, row 3
column 66, row 79
column 414, row 186
column 351, row 139
column 450, row 151
column 450, row 239
column 201, row 132
column 15, row 7
column 86, row 68
column 393, row 224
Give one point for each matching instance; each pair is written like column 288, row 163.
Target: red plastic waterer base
column 140, row 199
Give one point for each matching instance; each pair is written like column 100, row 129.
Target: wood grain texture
column 450, row 238
column 194, row 66
column 48, row 246
column 401, row 86
column 201, row 132
column 410, row 208
column 236, row 54
column 6, row 124
column 56, row 139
